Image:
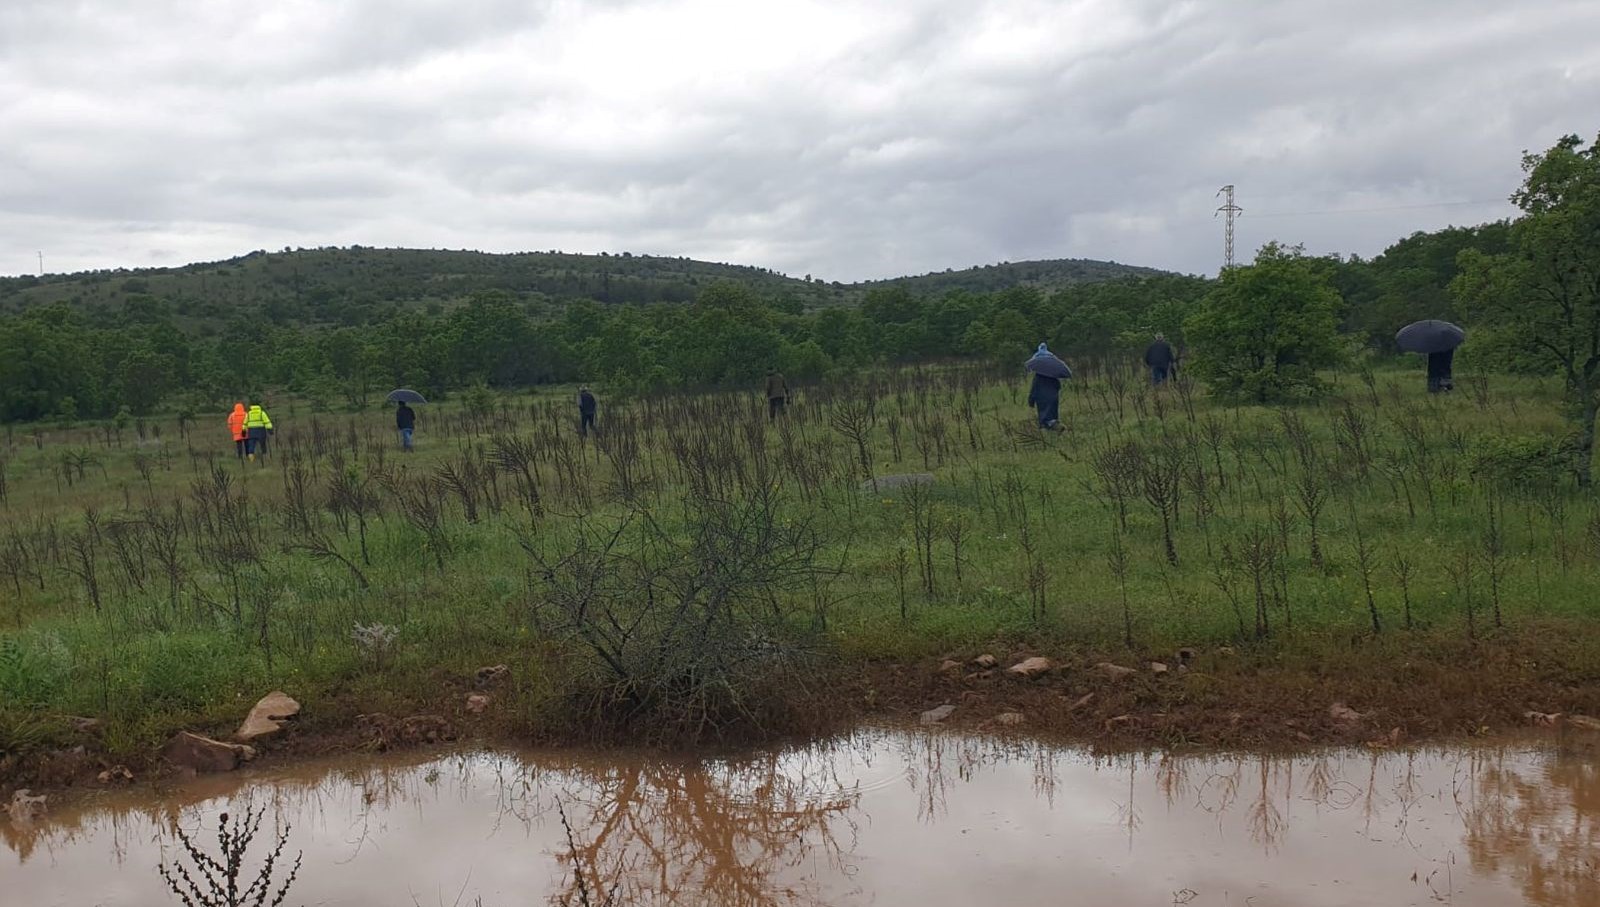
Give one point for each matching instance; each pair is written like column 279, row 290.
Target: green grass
column 148, row 665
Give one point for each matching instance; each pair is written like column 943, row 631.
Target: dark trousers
column 1049, row 410
column 1158, row 374
column 774, row 407
column 585, row 423
column 240, row 447
column 258, row 442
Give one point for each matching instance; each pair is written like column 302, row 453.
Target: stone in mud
column 986, row 661
column 202, row 754
column 1081, row 701
column 1114, row 672
column 938, row 715
column 890, row 483
column 1031, row 667
column 949, row 666
column 1157, row 667
column 1542, row 719
column 116, row 774
column 476, row 703
column 1010, row 719
column 425, row 729
column 490, row 677
column 25, row 807
column 1119, row 721
column 1344, row 714
column 267, row 717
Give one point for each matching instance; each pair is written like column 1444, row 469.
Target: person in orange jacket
column 236, row 425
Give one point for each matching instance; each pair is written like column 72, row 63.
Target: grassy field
column 695, row 563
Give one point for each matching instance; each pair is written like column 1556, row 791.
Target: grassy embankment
column 144, row 587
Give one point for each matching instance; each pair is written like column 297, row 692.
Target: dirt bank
column 1358, row 691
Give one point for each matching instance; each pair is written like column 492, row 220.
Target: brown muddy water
column 881, row 818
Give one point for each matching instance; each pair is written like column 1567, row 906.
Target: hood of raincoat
column 236, row 422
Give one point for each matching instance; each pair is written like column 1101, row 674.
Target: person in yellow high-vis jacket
column 257, row 426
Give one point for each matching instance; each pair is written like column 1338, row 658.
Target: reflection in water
column 879, row 818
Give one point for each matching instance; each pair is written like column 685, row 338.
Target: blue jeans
column 405, row 438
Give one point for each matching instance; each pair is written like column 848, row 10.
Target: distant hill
column 1047, row 273
column 344, row 285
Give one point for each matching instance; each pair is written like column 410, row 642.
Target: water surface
column 876, row 818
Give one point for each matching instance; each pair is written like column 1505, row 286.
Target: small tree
column 1543, row 296
column 1266, row 328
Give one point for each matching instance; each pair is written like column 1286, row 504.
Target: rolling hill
column 337, row 284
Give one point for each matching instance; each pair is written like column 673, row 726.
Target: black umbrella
column 1048, row 365
column 1430, row 336
column 405, row 395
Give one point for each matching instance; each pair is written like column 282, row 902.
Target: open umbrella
column 1048, row 365
column 405, row 395
column 1430, row 336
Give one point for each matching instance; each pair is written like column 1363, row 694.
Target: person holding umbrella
column 1161, row 359
column 1045, row 394
column 1438, row 341
column 405, row 418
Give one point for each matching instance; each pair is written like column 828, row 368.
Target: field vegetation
column 698, row 572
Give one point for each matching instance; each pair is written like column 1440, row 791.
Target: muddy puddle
column 877, row 818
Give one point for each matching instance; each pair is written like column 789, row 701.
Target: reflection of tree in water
column 1539, row 824
column 730, row 832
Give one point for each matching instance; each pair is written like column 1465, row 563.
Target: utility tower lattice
column 1229, row 211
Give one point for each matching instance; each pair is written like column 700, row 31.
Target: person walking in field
column 405, row 421
column 587, row 407
column 1161, row 359
column 1045, row 398
column 777, row 393
column 241, row 437
column 1440, row 372
column 258, row 425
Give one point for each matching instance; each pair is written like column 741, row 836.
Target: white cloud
column 842, row 139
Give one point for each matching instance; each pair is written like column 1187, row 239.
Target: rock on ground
column 490, row 677
column 1114, row 672
column 202, row 754
column 938, row 715
column 1344, row 714
column 267, row 717
column 1584, row 723
column 1157, row 667
column 986, row 661
column 1031, row 667
column 477, row 702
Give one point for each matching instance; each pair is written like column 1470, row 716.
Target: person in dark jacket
column 777, row 393
column 1161, row 359
column 1045, row 397
column 1439, row 372
column 405, row 420
column 587, row 407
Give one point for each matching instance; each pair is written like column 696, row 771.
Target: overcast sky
column 845, row 140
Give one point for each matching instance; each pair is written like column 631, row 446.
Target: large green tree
column 1265, row 329
column 1543, row 295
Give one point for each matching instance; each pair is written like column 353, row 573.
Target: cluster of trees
column 58, row 362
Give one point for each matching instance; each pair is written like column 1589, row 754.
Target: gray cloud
column 840, row 139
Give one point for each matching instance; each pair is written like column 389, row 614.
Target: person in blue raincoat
column 1045, row 396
